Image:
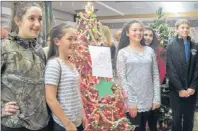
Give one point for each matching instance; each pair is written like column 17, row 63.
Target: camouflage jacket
column 22, row 81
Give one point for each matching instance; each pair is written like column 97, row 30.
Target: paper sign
column 101, row 61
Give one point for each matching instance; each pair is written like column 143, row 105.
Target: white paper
column 101, row 61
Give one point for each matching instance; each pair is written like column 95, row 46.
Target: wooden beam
column 61, row 19
column 180, row 14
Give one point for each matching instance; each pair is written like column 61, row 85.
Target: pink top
column 161, row 64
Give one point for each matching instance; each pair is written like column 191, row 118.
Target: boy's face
column 183, row 30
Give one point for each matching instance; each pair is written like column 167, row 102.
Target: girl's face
column 148, row 37
column 30, row 23
column 67, row 42
column 135, row 32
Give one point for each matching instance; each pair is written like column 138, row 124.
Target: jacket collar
column 26, row 43
column 180, row 40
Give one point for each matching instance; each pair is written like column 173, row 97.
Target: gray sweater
column 139, row 77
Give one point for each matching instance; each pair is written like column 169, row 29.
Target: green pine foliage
column 160, row 25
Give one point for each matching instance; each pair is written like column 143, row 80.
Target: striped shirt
column 68, row 92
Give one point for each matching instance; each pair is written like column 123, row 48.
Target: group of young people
column 31, row 81
column 141, row 69
column 29, row 84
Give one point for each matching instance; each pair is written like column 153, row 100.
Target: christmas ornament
column 102, row 99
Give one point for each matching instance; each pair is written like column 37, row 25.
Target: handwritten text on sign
column 101, row 61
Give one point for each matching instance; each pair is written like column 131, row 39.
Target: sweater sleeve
column 156, row 80
column 122, row 75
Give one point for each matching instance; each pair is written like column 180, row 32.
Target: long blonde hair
column 107, row 34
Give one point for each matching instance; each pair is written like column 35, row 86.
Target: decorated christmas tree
column 160, row 25
column 164, row 113
column 104, row 111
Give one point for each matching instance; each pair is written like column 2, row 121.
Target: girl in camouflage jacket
column 23, row 104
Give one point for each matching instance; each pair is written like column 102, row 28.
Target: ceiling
column 119, row 11
column 128, row 7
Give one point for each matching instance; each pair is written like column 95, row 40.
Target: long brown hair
column 56, row 32
column 124, row 39
column 155, row 42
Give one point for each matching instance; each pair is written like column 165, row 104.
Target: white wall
column 5, row 17
column 61, row 17
column 6, row 10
